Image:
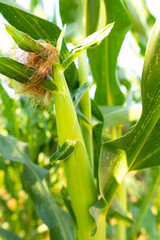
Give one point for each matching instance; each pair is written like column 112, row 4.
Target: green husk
column 78, row 172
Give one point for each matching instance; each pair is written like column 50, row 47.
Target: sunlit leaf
column 141, row 19
column 37, row 28
column 34, row 3
column 24, row 41
column 140, row 148
column 116, row 115
column 86, row 43
column 103, row 58
column 71, row 12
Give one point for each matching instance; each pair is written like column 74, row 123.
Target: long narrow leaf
column 87, row 42
column 34, row 181
column 141, row 23
column 116, row 115
column 8, row 235
column 78, row 93
column 24, row 41
column 71, row 12
column 103, row 58
column 97, row 135
column 140, row 148
column 37, row 28
column 23, row 73
column 8, row 111
column 63, row 152
column 93, row 9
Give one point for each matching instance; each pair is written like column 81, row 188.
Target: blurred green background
column 36, row 125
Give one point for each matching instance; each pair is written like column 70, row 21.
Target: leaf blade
column 63, row 152
column 78, row 93
column 34, row 176
column 37, row 28
column 23, row 74
column 140, row 148
column 103, row 67
column 8, row 234
column 116, row 115
column 86, row 43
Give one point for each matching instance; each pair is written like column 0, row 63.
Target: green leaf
column 71, row 12
column 34, row 3
column 98, row 210
column 37, row 28
column 96, row 125
column 103, row 66
column 116, row 115
column 23, row 73
column 68, row 128
column 78, row 93
column 63, row 152
column 8, row 235
column 93, row 9
column 24, row 41
column 152, row 182
column 86, row 43
column 60, row 39
column 49, row 85
column 115, row 211
column 14, row 69
column 8, row 104
column 97, row 117
column 68, row 205
column 83, row 118
column 141, row 19
column 140, row 148
column 34, row 182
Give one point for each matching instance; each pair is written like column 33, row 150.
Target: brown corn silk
column 43, row 62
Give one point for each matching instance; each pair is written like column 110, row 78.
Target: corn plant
column 96, row 148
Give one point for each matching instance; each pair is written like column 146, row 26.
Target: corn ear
column 80, row 181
